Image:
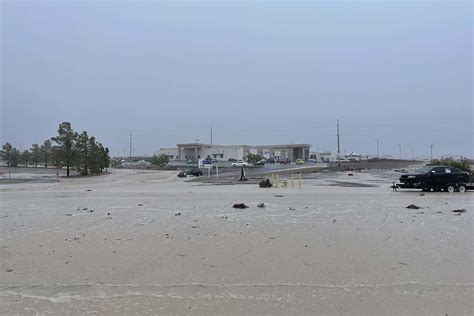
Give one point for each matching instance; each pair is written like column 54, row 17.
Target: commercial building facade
column 195, row 151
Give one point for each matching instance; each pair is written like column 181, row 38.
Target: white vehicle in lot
column 240, row 163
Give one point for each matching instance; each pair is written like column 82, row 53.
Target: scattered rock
column 194, row 226
column 108, row 214
column 439, row 212
column 76, row 237
column 403, row 263
column 91, row 211
column 88, row 190
column 421, row 194
column 292, row 209
column 462, row 210
column 177, row 214
column 333, row 221
column 261, row 205
column 10, row 270
column 68, row 214
column 279, row 195
column 414, row 207
column 85, row 209
column 240, row 205
column 350, row 174
column 420, row 212
column 139, row 204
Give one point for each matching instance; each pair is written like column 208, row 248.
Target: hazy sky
column 266, row 72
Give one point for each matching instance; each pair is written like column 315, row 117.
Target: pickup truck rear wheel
column 462, row 188
column 450, row 188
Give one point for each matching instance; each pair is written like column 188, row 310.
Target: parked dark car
column 232, row 160
column 436, row 178
column 285, row 161
column 193, row 172
column 260, row 163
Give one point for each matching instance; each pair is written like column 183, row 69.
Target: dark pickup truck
column 436, row 178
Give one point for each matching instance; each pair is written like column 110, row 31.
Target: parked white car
column 240, row 163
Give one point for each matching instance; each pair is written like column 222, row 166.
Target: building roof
column 193, row 145
column 284, row 145
column 268, row 146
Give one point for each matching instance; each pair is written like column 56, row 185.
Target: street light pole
column 377, row 148
column 338, row 142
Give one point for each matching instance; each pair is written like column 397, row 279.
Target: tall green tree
column 25, row 157
column 66, row 140
column 6, row 152
column 104, row 157
column 46, row 152
column 56, row 157
column 94, row 156
column 83, row 153
column 14, row 157
column 35, row 154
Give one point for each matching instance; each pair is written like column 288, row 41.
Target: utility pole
column 413, row 153
column 338, row 142
column 377, row 140
column 211, row 135
column 400, row 151
column 431, row 150
column 130, row 145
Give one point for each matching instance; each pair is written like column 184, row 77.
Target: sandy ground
column 140, row 242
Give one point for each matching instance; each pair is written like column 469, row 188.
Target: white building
column 195, row 151
column 353, row 156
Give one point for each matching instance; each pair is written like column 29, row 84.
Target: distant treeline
column 68, row 149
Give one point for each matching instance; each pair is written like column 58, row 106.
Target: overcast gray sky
column 266, row 72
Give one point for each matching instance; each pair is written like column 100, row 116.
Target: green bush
column 462, row 164
column 160, row 161
column 253, row 159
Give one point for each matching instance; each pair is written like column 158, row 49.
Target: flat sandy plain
column 141, row 242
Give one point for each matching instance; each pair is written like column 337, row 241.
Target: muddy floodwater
column 143, row 242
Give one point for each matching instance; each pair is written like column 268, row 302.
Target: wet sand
column 158, row 244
